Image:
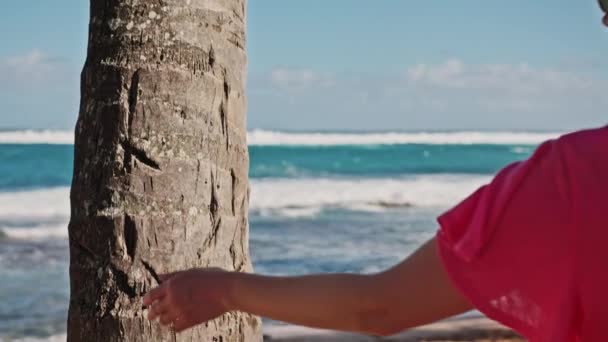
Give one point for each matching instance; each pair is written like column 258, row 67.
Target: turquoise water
column 42, row 166
column 316, row 208
column 380, row 160
column 35, row 166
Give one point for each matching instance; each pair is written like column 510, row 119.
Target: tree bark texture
column 160, row 174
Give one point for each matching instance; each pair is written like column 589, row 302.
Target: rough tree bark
column 160, row 176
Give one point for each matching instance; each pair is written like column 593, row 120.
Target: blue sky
column 355, row 65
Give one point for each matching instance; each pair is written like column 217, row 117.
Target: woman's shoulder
column 585, row 148
column 586, row 136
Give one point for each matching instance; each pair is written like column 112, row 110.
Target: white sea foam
column 521, row 150
column 35, row 215
column 37, row 233
column 261, row 137
column 40, row 214
column 36, row 137
column 305, row 197
column 37, row 205
column 268, row 138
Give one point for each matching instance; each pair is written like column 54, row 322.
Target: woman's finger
column 181, row 324
column 166, row 318
column 166, row 276
column 157, row 309
column 154, row 295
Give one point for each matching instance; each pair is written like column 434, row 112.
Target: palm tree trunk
column 160, row 176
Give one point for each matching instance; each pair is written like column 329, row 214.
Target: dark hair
column 604, row 5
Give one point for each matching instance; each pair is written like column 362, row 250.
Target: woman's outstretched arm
column 414, row 292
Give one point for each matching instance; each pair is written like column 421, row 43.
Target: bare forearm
column 333, row 301
column 415, row 292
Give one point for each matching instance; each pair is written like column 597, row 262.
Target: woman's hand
column 188, row 298
column 415, row 292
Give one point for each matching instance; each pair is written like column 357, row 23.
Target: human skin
column 412, row 293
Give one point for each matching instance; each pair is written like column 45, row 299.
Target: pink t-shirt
column 530, row 249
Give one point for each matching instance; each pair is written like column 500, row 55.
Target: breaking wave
column 263, row 137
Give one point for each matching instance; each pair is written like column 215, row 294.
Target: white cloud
column 515, row 89
column 33, row 58
column 443, row 74
column 286, row 78
column 449, row 94
column 32, row 68
column 513, row 78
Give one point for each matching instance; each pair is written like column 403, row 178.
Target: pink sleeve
column 494, row 243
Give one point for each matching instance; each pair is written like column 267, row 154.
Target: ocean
column 320, row 202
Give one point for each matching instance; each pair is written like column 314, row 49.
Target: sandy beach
column 464, row 329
